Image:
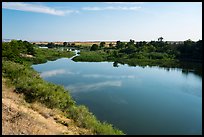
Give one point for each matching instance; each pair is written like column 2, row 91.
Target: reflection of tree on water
column 195, row 68
column 115, row 64
column 185, row 71
column 186, row 67
column 167, row 69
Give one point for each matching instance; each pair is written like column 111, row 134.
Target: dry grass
column 88, row 43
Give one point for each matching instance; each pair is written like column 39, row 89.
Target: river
column 137, row 100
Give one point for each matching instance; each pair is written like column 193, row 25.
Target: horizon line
column 93, row 40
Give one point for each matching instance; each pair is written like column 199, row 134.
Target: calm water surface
column 137, row 100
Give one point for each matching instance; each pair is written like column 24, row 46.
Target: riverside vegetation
column 154, row 50
column 133, row 53
column 187, row 54
column 16, row 66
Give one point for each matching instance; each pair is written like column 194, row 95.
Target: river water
column 137, row 100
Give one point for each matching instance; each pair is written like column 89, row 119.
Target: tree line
column 188, row 50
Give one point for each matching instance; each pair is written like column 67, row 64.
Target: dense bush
column 94, row 47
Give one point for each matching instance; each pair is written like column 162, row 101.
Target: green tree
column 160, row 39
column 16, row 47
column 110, row 45
column 150, row 48
column 94, row 47
column 115, row 53
column 65, row 44
column 131, row 42
column 120, row 45
column 102, row 44
column 50, row 45
column 28, row 47
column 131, row 49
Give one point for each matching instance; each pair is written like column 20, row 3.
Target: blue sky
column 87, row 21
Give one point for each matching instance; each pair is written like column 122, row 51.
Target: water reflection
column 55, row 72
column 138, row 100
column 115, row 64
column 81, row 87
column 193, row 67
column 108, row 76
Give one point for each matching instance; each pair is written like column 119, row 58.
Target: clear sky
column 87, row 21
